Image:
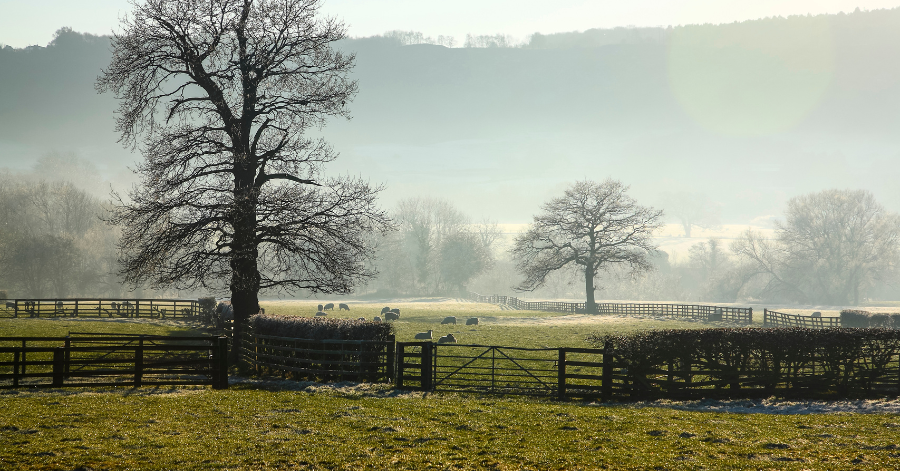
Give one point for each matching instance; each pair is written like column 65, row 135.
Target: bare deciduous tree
column 438, row 247
column 222, row 93
column 692, row 210
column 831, row 246
column 594, row 226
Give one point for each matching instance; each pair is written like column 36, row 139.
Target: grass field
column 282, row 429
column 286, row 425
column 496, row 326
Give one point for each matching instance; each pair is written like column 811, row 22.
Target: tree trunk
column 590, row 306
column 687, row 228
column 245, row 278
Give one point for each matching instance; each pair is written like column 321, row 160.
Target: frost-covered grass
column 251, row 427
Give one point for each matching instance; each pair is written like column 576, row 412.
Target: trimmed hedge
column 844, row 360
column 863, row 319
column 321, row 328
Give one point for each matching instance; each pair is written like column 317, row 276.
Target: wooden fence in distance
column 780, row 319
column 739, row 315
column 80, row 307
column 112, row 360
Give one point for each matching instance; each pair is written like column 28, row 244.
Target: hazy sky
column 29, row 22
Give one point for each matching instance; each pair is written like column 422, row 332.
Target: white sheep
column 449, row 338
column 390, row 316
column 449, row 320
column 376, row 319
column 424, row 336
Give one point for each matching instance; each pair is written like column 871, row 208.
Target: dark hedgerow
column 819, row 360
column 856, row 318
column 320, row 328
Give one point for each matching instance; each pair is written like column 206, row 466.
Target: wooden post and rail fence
column 105, row 307
column 89, row 360
column 741, row 315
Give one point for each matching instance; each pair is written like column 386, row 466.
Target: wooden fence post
column 16, row 368
column 68, row 355
column 606, row 382
column 400, row 356
column 427, row 370
column 765, row 317
column 390, row 360
column 561, row 375
column 139, row 362
column 59, row 366
column 220, row 363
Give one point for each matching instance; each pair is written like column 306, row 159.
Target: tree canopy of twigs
column 832, row 246
column 218, row 95
column 593, row 226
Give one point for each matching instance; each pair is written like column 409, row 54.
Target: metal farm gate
column 496, row 370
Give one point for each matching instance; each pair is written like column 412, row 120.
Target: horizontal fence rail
column 320, row 360
column 780, row 319
column 106, row 307
column 685, row 311
column 112, row 360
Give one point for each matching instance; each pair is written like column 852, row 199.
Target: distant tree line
column 53, row 242
column 834, row 247
column 436, row 250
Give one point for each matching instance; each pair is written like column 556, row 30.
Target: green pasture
column 280, row 425
column 533, row 329
column 62, row 326
column 262, row 429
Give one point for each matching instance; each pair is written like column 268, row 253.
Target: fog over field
column 748, row 114
column 737, row 117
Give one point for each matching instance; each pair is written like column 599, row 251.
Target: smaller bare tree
column 593, row 226
column 692, row 210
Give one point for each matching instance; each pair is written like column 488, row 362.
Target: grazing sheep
column 319, row 309
column 390, row 316
column 385, row 309
column 376, row 319
column 449, row 320
column 817, row 314
column 329, row 306
column 472, row 321
column 395, row 311
column 342, row 307
column 449, row 338
column 424, row 336
column 10, row 305
column 321, row 314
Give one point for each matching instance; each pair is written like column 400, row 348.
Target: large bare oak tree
column 593, row 226
column 219, row 95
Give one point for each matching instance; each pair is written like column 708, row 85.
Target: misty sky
column 32, row 22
